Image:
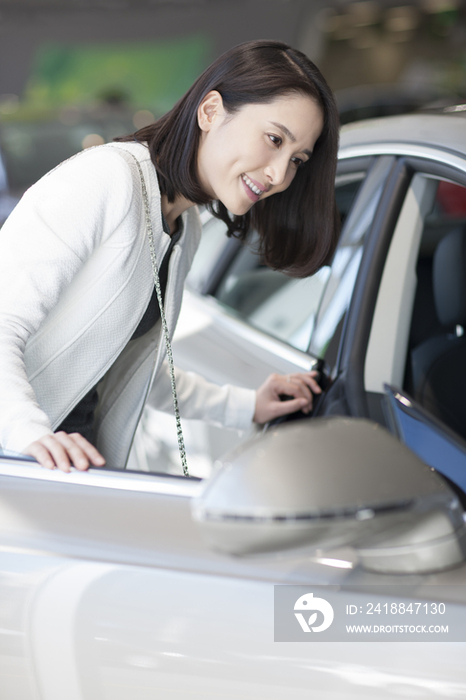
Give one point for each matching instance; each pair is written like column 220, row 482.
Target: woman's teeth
column 251, row 185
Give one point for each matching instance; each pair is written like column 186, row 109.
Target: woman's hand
column 301, row 386
column 63, row 450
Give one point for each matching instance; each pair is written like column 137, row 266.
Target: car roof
column 446, row 131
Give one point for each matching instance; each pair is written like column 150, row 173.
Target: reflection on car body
column 107, row 587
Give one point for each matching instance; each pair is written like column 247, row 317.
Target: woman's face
column 255, row 152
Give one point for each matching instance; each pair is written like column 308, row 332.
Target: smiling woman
column 255, row 138
column 258, row 91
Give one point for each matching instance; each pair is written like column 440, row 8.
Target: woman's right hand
column 63, row 450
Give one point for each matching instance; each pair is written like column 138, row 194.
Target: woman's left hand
column 301, row 386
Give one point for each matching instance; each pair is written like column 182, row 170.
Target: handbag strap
column 153, row 257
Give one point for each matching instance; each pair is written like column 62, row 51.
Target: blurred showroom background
column 78, row 73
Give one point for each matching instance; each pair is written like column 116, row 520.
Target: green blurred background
column 149, row 75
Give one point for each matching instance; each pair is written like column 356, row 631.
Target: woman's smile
column 256, row 151
column 252, row 188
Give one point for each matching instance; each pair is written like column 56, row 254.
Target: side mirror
column 331, row 482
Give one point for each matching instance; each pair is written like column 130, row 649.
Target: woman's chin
column 239, row 209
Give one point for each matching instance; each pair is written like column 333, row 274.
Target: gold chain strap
column 153, row 257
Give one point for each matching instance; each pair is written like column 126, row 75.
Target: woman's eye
column 276, row 140
column 298, row 162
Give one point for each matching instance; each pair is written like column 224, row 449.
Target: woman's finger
column 300, row 391
column 57, row 452
column 79, row 450
column 295, row 388
column 309, row 379
column 41, row 454
column 74, row 453
column 282, row 408
column 300, row 388
column 88, row 449
column 63, row 451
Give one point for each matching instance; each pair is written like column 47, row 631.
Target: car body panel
column 125, row 598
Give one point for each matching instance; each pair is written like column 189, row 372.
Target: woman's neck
column 172, row 210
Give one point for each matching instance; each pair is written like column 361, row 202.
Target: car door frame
column 410, row 160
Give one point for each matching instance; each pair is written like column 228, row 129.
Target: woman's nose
column 276, row 171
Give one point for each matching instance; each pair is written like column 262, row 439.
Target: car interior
column 436, row 364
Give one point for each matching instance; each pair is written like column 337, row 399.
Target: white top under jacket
column 75, row 280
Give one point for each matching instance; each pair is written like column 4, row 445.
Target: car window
column 273, row 302
column 336, row 298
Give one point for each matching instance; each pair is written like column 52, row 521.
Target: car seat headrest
column 449, row 278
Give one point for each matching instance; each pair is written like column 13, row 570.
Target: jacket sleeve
column 43, row 245
column 227, row 406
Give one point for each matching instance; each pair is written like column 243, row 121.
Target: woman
column 255, row 139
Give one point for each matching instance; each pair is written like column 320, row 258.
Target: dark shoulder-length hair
column 298, row 228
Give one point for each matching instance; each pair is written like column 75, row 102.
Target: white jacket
column 75, row 280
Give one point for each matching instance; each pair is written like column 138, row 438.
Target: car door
column 410, row 341
column 437, row 445
column 378, row 332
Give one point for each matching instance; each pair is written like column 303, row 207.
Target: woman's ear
column 209, row 110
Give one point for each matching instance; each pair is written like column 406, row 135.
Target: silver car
column 128, row 584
